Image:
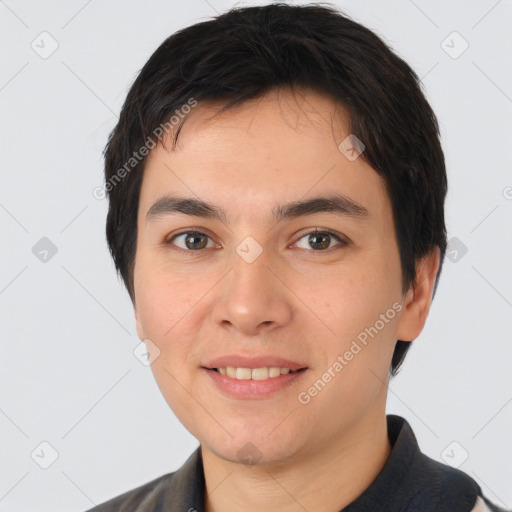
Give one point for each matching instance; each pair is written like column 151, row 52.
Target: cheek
column 363, row 311
column 165, row 308
column 353, row 297
column 172, row 305
column 164, row 297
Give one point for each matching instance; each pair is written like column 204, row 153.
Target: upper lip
column 253, row 362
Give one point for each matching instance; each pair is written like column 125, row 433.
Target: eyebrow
column 334, row 203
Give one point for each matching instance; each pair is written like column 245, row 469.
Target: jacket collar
column 187, row 489
column 409, row 480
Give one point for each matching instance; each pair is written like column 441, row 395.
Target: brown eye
column 319, row 240
column 191, row 241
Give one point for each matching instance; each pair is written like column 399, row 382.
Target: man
column 276, row 209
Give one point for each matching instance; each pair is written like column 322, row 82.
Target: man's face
column 256, row 289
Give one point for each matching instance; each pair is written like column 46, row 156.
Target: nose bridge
column 251, row 264
column 251, row 277
column 251, row 295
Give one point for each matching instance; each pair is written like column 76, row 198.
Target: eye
column 319, row 240
column 192, row 241
column 316, row 240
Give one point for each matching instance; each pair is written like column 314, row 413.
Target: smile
column 263, row 373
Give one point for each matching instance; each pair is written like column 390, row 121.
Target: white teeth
column 254, row 373
column 259, row 374
column 274, row 371
column 243, row 373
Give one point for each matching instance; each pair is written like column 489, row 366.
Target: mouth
column 253, row 377
column 262, row 373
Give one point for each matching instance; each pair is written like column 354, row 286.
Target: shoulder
column 424, row 483
column 180, row 490
column 451, row 489
column 144, row 498
column 484, row 505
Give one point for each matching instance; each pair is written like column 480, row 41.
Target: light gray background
column 68, row 374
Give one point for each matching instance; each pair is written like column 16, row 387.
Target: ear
column 419, row 296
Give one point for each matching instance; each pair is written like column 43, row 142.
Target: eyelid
column 308, row 231
column 201, row 231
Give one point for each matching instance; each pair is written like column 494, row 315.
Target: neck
column 326, row 482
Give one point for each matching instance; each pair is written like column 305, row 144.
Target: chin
column 254, row 447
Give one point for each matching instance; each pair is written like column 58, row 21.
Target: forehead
column 281, row 146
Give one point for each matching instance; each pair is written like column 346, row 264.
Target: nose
column 252, row 298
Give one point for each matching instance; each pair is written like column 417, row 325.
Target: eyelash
column 337, row 237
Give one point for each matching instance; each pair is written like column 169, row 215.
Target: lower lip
column 248, row 388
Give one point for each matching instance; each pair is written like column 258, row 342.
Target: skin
column 293, row 301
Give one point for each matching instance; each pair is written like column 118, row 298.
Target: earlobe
column 419, row 296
